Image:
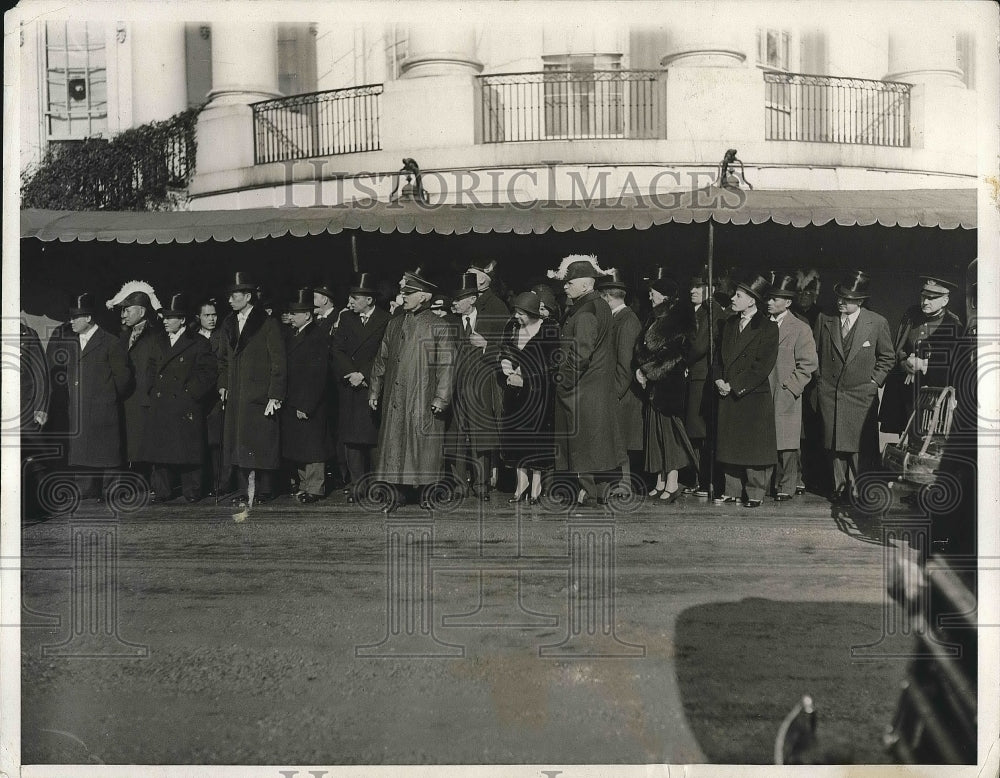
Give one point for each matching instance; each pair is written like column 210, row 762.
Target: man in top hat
column 586, row 422
column 143, row 340
column 185, row 374
column 303, row 412
column 793, row 369
column 475, row 426
column 701, row 396
column 98, row 377
column 252, row 382
column 855, row 356
column 626, row 329
column 748, row 349
column 411, row 386
column 804, row 304
column 925, row 346
column 355, row 343
column 328, row 318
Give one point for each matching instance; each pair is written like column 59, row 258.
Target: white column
column 923, row 53
column 159, row 78
column 704, row 43
column 440, row 50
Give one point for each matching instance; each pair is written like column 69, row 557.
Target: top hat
column 364, row 284
column 483, row 266
column 936, row 287
column 468, row 287
column 242, row 282
column 528, row 302
column 855, row 287
column 413, row 281
column 83, row 305
column 612, row 281
column 783, row 285
column 756, row 285
column 178, row 307
column 303, row 301
column 326, row 288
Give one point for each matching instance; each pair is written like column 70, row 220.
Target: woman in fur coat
column 661, row 356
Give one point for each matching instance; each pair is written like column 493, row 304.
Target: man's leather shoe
column 751, row 504
column 307, row 498
column 800, row 490
column 782, row 497
column 725, row 499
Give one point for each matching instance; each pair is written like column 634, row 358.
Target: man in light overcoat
column 795, row 365
column 855, row 355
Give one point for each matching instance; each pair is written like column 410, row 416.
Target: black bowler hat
column 242, row 282
column 855, row 287
column 529, row 302
column 364, row 284
column 468, row 287
column 303, row 301
column 414, row 281
column 178, row 307
column 613, row 280
column 936, row 287
column 325, row 288
column 755, row 285
column 83, row 305
column 783, row 285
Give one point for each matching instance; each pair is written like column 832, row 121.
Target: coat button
column 158, row 394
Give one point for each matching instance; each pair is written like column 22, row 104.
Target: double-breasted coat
column 306, row 356
column 98, row 377
column 744, row 360
column 184, row 376
column 143, row 356
column 414, row 367
column 794, row 367
column 586, row 424
column 214, row 413
column 476, row 412
column 353, row 350
column 252, row 370
column 848, row 379
column 626, row 329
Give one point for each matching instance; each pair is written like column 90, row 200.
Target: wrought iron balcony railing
column 824, row 109
column 573, row 104
column 319, row 124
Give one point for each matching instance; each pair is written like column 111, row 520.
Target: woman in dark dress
column 526, row 424
column 661, row 355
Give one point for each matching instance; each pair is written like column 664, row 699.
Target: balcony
column 573, row 105
column 319, row 124
column 823, row 109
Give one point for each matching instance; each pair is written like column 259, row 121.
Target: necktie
column 468, row 325
column 743, row 323
column 845, row 327
column 364, row 320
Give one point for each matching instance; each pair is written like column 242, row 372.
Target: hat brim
column 241, row 288
column 849, row 295
column 171, row 314
column 356, row 290
column 463, row 294
column 297, row 308
column 74, row 312
column 749, row 291
column 790, row 295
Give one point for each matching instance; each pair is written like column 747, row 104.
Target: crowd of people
column 736, row 391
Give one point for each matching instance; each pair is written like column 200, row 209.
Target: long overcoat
column 34, row 379
column 491, row 320
column 414, row 367
column 475, row 410
column 744, row 360
column 847, row 387
column 252, row 369
column 97, row 378
column 306, row 354
column 185, row 375
column 214, row 412
column 353, row 350
column 662, row 354
column 701, row 392
column 586, row 425
column 143, row 357
column 626, row 329
column 795, row 365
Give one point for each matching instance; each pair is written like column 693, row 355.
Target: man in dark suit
column 855, row 356
column 586, row 425
column 304, row 411
column 328, row 319
column 626, row 329
column 98, row 377
column 747, row 446
column 354, row 347
column 208, row 328
column 34, row 381
column 252, row 381
column 184, row 375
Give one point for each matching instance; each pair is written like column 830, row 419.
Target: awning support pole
column 710, row 302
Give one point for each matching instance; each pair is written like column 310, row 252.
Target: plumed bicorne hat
column 484, row 266
column 135, row 293
column 577, row 266
column 807, row 280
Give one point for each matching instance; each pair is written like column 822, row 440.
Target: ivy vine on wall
column 146, row 168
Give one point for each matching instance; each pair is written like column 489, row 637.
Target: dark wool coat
column 353, row 351
column 214, row 414
column 491, row 320
column 306, row 354
column 662, row 355
column 97, row 379
column 477, row 401
column 626, row 329
column 586, row 424
column 185, row 374
column 793, row 369
column 701, row 392
column 746, row 433
column 939, row 348
column 34, row 379
column 252, row 369
column 142, row 357
column 847, row 384
column 415, row 365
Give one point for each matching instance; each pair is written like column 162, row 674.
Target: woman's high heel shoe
column 668, row 497
column 522, row 497
column 655, row 494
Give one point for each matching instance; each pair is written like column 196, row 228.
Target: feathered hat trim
column 131, row 288
column 808, row 279
column 560, row 274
